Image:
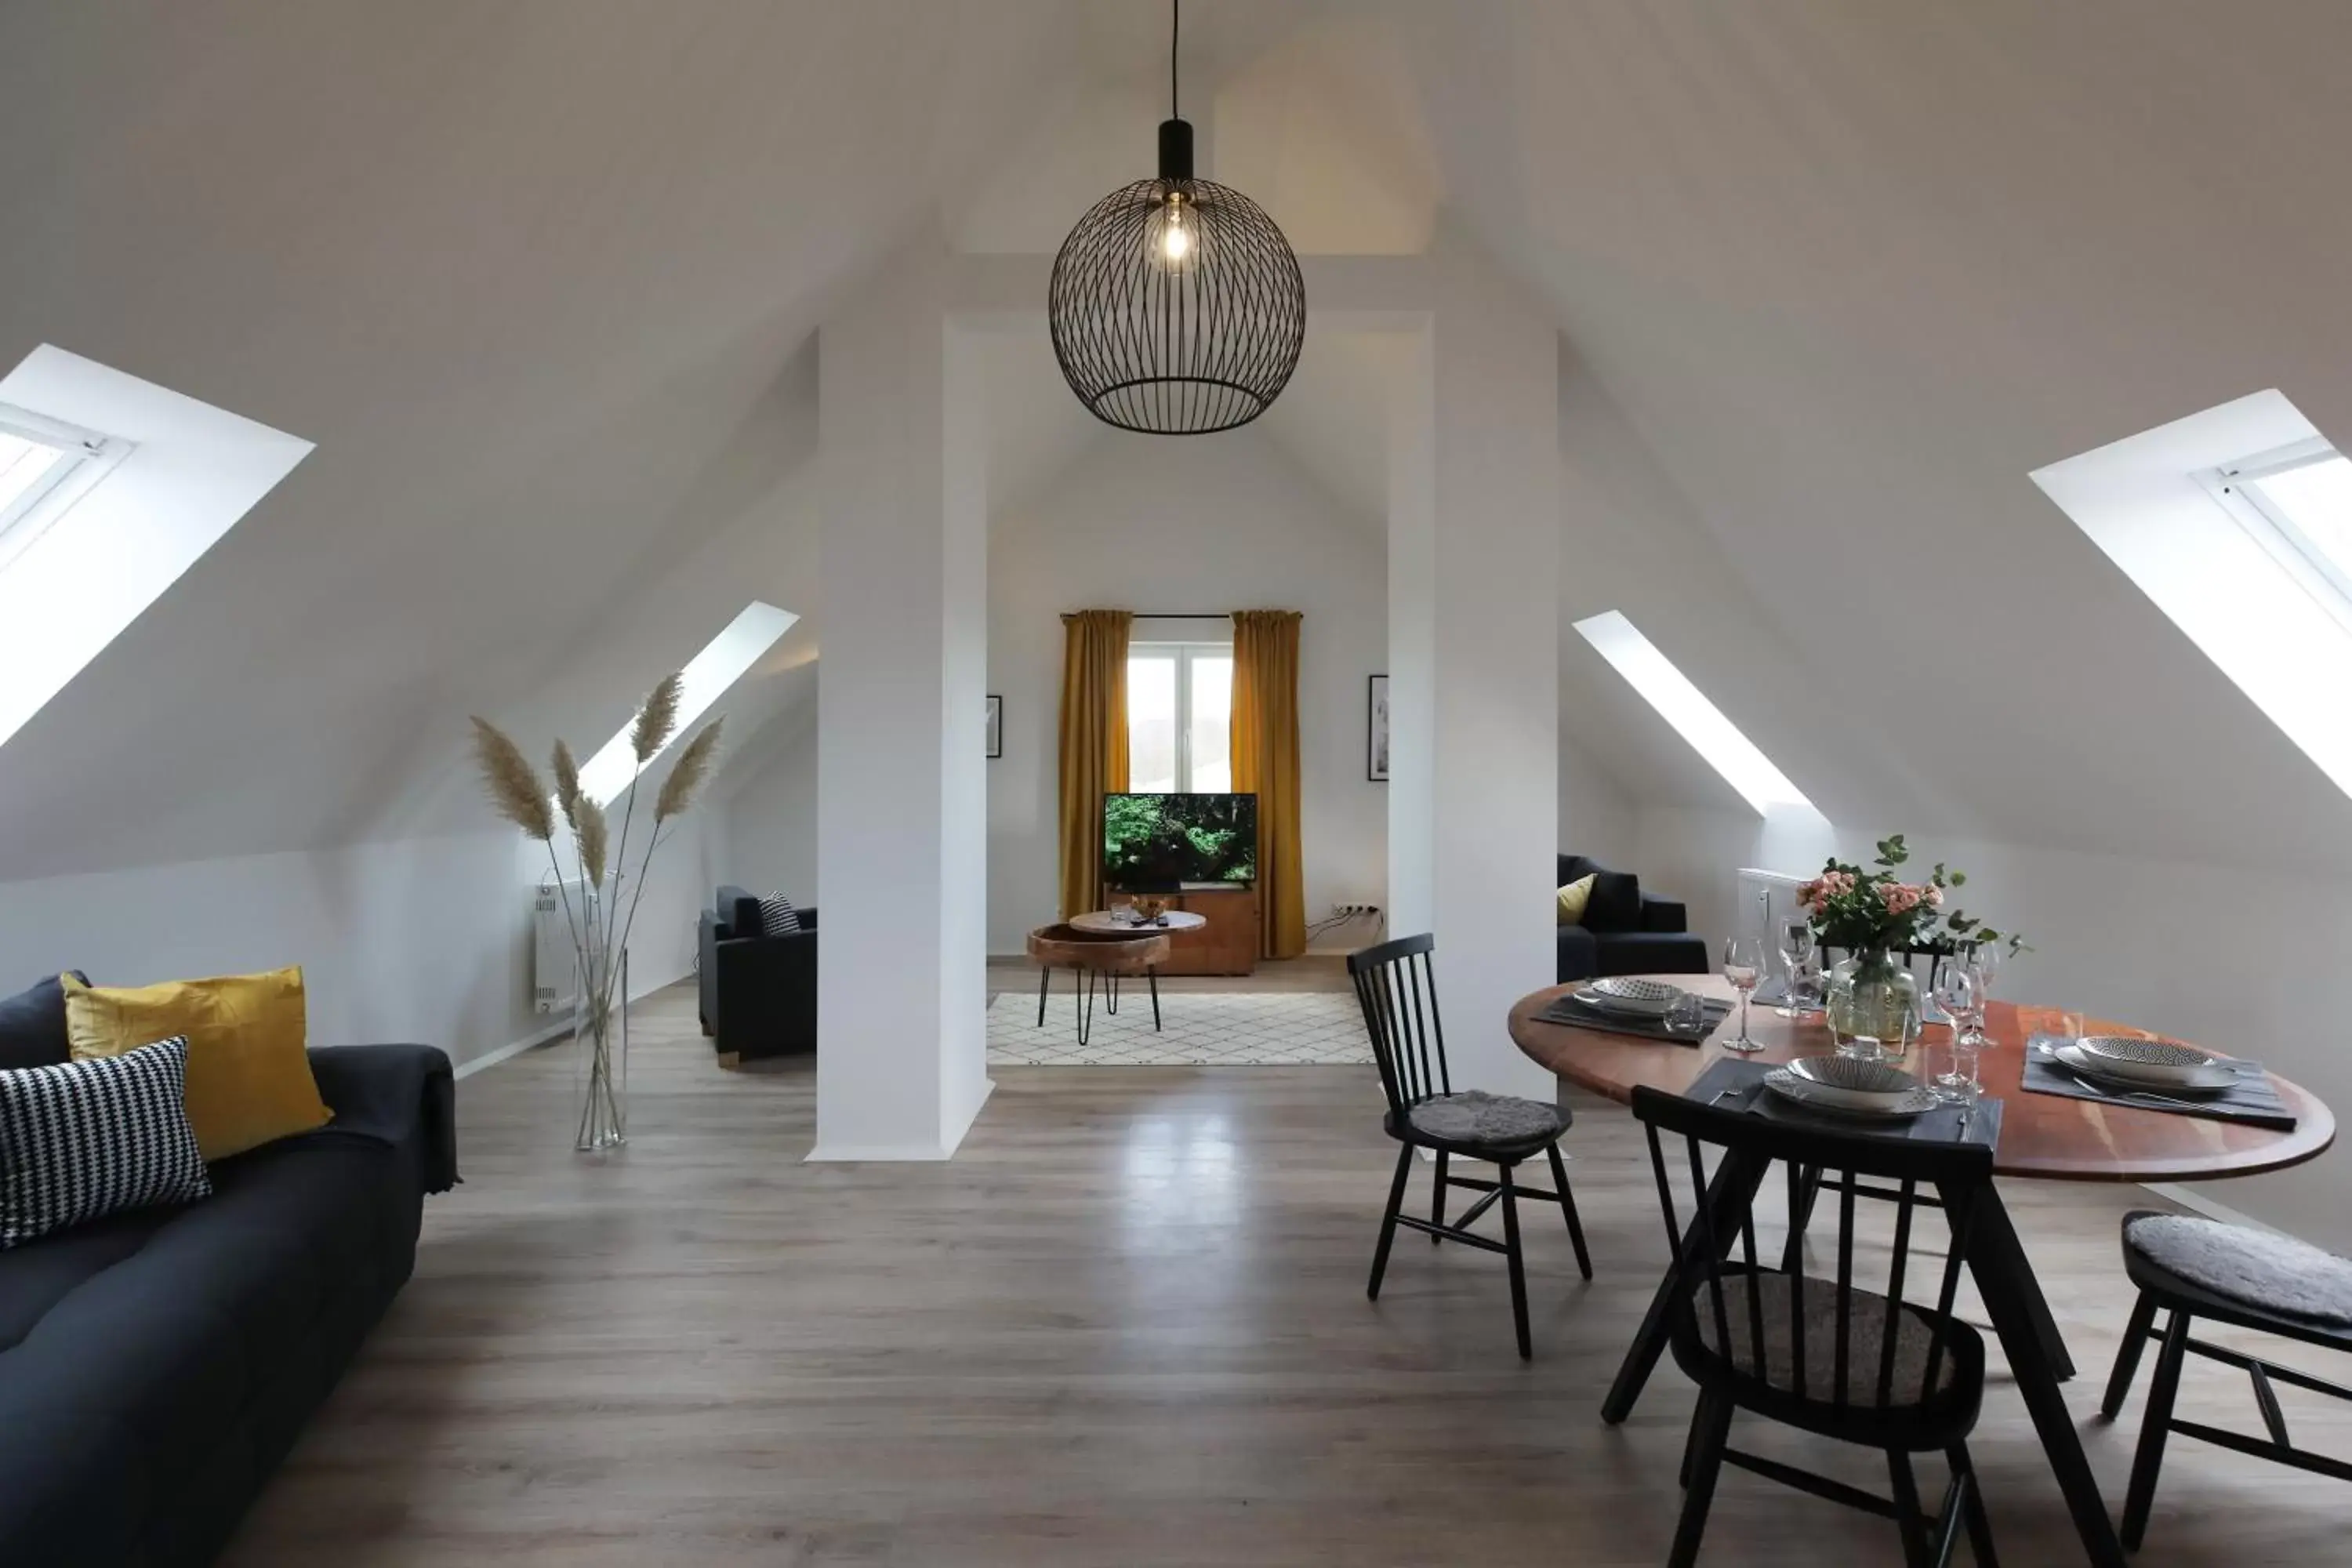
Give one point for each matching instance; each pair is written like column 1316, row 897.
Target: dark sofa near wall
column 759, row 992
column 1625, row 931
column 156, row 1366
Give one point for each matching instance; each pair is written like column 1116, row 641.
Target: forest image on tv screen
column 1160, row 840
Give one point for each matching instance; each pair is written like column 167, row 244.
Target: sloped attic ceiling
column 1851, row 271
column 534, row 277
column 522, row 272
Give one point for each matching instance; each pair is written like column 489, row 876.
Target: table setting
column 2052, row 1094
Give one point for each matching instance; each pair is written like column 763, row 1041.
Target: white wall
column 426, row 939
column 1235, row 525
column 770, row 811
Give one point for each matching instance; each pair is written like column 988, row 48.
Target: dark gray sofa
column 156, row 1366
column 758, row 991
column 1625, row 931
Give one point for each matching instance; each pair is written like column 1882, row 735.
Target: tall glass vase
column 600, row 1032
column 1873, row 1006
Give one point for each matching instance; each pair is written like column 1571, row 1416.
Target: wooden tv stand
column 1226, row 944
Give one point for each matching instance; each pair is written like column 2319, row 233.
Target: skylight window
column 111, row 488
column 45, row 468
column 1714, row 738
column 2297, row 502
column 706, row 677
column 2251, row 556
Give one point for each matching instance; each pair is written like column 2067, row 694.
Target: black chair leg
column 1044, row 979
column 1568, row 1208
column 1388, row 1220
column 2119, row 1381
column 1437, row 1199
column 1710, row 1425
column 1908, row 1519
column 1808, row 1185
column 1518, row 1268
column 2153, row 1425
column 1979, row 1523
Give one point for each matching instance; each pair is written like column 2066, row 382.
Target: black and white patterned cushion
column 88, row 1138
column 777, row 916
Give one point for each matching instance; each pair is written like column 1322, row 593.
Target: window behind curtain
column 1180, row 700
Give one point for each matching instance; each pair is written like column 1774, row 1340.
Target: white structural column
column 1474, row 628
column 901, row 1055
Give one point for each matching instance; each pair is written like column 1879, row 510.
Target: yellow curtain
column 1094, row 745
column 1265, row 763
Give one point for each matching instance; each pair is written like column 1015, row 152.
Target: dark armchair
column 1624, row 929
column 759, row 992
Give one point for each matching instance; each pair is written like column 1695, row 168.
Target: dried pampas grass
column 590, row 827
column 567, row 784
column 512, row 781
column 687, row 776
column 657, row 719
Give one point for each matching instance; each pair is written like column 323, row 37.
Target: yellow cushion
column 249, row 1079
column 1573, row 897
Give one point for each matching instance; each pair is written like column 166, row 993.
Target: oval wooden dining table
column 2044, row 1136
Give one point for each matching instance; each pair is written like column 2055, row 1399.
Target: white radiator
column 555, row 963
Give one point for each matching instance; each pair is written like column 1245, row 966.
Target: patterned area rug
column 1198, row 1030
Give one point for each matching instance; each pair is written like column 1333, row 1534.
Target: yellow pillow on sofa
column 1573, row 897
column 249, row 1079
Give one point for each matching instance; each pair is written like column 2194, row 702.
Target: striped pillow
column 90, row 1138
column 777, row 916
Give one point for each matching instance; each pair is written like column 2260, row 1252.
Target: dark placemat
column 1569, row 1011
column 2254, row 1101
column 1732, row 1083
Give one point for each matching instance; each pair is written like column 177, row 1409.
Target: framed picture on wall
column 995, row 727
column 1376, row 729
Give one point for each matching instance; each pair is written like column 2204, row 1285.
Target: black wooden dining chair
column 1825, row 1355
column 2189, row 1268
column 1398, row 988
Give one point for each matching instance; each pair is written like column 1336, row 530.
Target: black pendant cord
column 1175, row 26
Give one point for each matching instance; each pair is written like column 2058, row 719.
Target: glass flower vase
column 1873, row 1006
column 599, row 1031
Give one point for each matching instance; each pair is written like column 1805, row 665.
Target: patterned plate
column 1813, row 1096
column 1625, row 994
column 1863, row 1086
column 2214, row 1078
column 2130, row 1050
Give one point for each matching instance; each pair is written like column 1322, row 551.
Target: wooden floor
column 1125, row 1325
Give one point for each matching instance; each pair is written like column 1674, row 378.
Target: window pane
column 24, row 463
column 1209, row 724
column 1151, row 722
column 2318, row 499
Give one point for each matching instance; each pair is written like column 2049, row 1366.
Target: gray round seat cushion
column 2273, row 1273
column 1474, row 1116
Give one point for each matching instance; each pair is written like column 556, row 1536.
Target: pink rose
column 1934, row 898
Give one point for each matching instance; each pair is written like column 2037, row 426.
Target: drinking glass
column 1686, row 1015
column 1743, row 966
column 1984, row 963
column 1797, row 950
column 1953, row 1074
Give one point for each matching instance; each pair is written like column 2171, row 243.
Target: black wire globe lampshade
column 1177, row 307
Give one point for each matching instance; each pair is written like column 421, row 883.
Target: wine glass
column 1984, row 964
column 1797, row 949
column 1743, row 966
column 1954, row 985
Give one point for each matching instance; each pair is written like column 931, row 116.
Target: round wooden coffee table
column 1099, row 954
column 2042, row 1135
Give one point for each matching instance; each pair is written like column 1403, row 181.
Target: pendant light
column 1176, row 306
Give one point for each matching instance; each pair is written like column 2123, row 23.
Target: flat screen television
column 1161, row 843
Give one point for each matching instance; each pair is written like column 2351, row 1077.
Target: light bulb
column 1175, row 240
